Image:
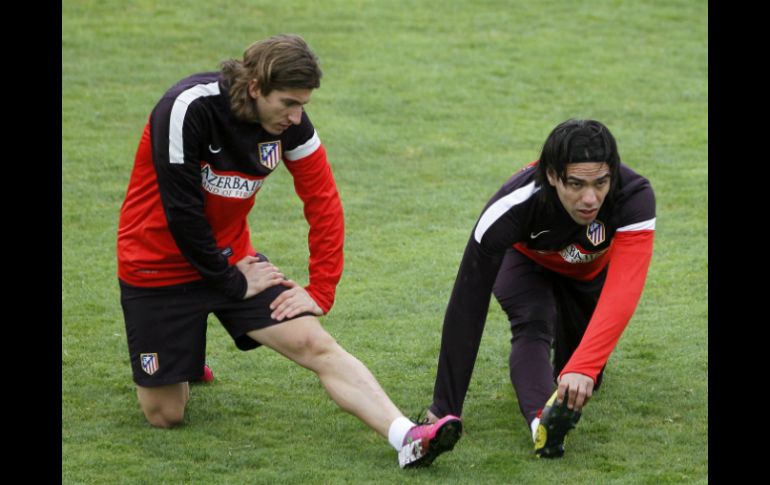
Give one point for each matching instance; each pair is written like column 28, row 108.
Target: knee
column 533, row 331
column 164, row 416
column 315, row 349
column 317, row 344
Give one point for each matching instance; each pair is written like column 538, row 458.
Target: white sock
column 398, row 429
column 533, row 425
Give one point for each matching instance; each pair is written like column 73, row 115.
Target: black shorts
column 166, row 327
column 543, row 304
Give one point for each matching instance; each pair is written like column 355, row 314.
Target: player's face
column 584, row 190
column 280, row 109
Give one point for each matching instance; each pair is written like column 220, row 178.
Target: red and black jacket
column 621, row 237
column 196, row 174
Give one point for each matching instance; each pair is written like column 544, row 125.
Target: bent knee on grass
column 164, row 417
column 164, row 406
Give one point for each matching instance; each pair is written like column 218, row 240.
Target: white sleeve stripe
column 496, row 210
column 305, row 149
column 178, row 112
column 648, row 225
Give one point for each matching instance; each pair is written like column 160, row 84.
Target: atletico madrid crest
column 595, row 232
column 149, row 363
column 270, row 154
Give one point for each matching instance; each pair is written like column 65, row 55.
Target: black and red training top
column 620, row 239
column 196, row 174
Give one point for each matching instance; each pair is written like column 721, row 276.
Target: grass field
column 425, row 109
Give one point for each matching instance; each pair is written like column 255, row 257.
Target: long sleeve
column 463, row 327
column 315, row 185
column 627, row 272
column 176, row 138
column 496, row 230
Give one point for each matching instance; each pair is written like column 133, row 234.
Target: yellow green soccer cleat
column 555, row 421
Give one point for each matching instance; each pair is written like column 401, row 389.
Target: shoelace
column 420, row 418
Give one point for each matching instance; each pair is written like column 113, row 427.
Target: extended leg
column 349, row 383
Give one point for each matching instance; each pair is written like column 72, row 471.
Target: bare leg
column 164, row 406
column 349, row 383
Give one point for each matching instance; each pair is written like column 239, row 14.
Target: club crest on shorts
column 149, row 363
column 595, row 232
column 270, row 154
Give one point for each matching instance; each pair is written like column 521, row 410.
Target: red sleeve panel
column 629, row 260
column 315, row 185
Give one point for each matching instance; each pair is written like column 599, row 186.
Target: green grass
column 425, row 109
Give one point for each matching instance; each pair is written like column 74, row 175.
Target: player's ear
column 552, row 177
column 254, row 91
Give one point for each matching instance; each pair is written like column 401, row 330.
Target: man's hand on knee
column 260, row 275
column 293, row 302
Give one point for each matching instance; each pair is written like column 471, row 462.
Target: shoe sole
column 445, row 440
column 561, row 420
